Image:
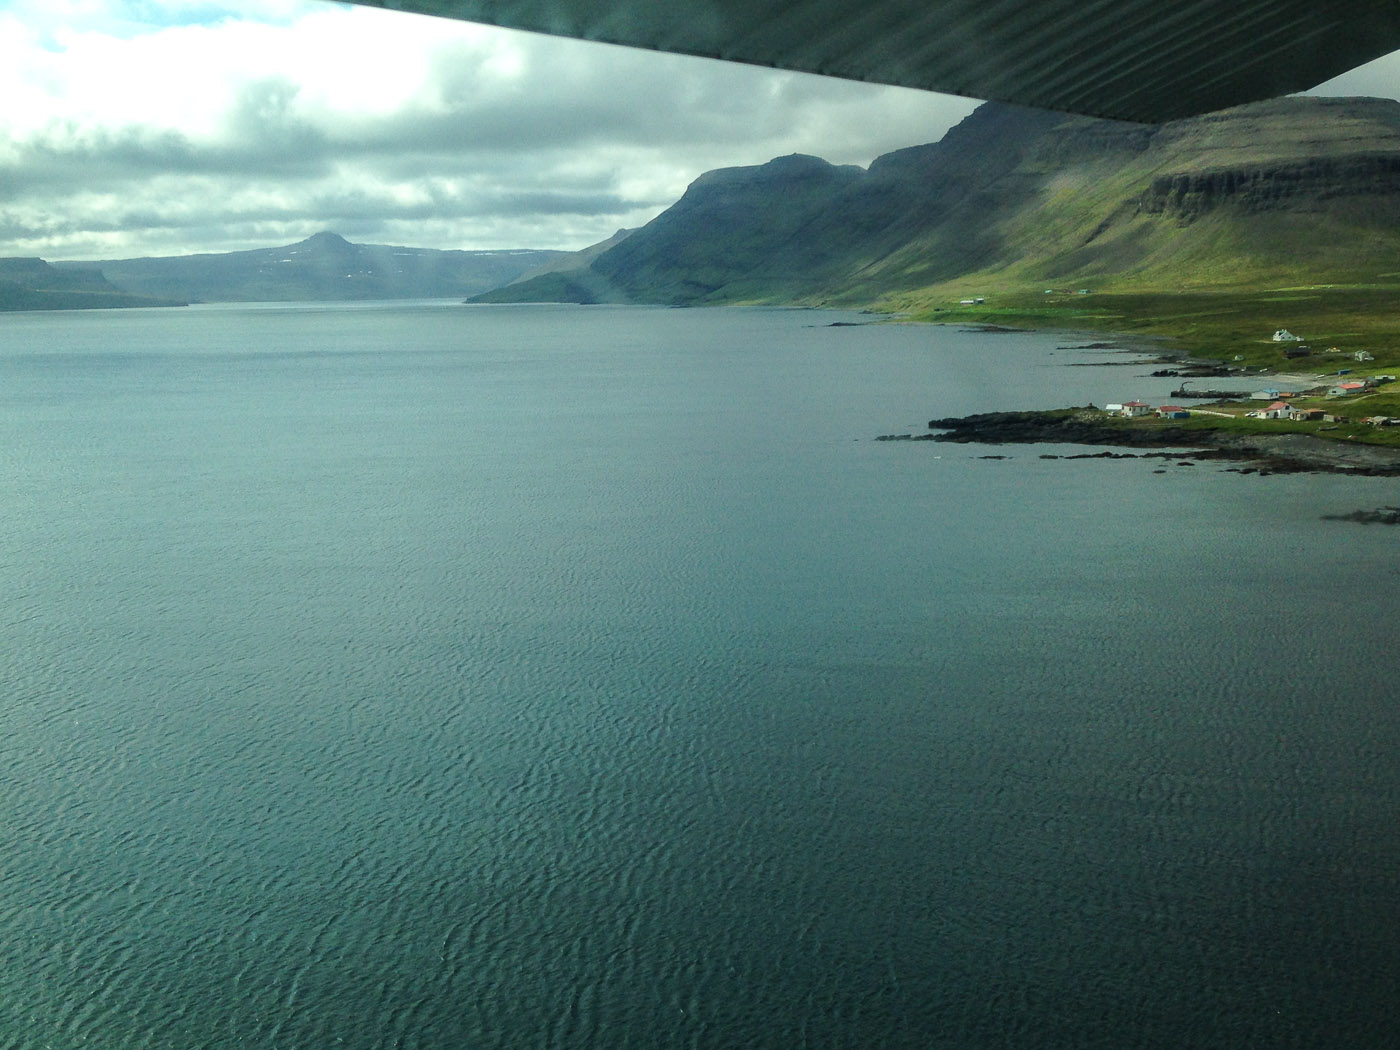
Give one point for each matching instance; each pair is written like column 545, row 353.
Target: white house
column 1133, row 409
column 1283, row 335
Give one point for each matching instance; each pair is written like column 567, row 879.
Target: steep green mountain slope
column 32, row 284
column 1292, row 191
column 323, row 267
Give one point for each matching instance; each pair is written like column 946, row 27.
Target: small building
column 1283, row 335
column 1304, row 415
column 1264, row 395
column 1346, row 389
column 1172, row 412
column 1301, row 350
column 1362, row 355
column 1134, row 409
column 1278, row 410
column 1113, row 408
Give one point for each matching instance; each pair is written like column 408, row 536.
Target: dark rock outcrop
column 1271, row 453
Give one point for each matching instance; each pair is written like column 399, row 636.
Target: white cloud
column 152, row 128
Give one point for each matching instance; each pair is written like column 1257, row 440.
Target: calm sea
column 424, row 676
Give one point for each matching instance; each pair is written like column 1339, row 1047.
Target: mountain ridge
column 1293, row 189
column 324, row 266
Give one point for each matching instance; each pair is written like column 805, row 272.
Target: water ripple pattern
column 420, row 676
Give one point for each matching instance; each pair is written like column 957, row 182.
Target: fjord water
column 414, row 675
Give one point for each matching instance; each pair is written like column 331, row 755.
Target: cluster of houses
column 1298, row 348
column 1137, row 409
column 1278, row 405
column 1283, row 410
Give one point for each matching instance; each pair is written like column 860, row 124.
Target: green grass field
column 1235, row 326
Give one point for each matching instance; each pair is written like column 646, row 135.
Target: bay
column 428, row 676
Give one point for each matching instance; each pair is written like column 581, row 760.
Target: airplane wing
column 1141, row 60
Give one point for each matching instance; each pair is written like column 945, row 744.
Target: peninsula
column 1284, row 450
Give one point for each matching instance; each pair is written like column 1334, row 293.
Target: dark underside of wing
column 1141, row 60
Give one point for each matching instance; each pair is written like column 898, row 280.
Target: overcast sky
column 162, row 127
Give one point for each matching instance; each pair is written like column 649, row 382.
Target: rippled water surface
column 428, row 676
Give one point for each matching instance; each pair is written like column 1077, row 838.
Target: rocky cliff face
column 1297, row 155
column 1306, row 186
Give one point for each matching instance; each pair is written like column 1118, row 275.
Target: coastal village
column 1344, row 395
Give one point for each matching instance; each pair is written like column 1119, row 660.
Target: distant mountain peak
column 326, row 240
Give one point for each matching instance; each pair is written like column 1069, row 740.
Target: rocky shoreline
column 1267, row 453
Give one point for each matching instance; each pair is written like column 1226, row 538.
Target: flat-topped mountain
column 323, row 267
column 1295, row 190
